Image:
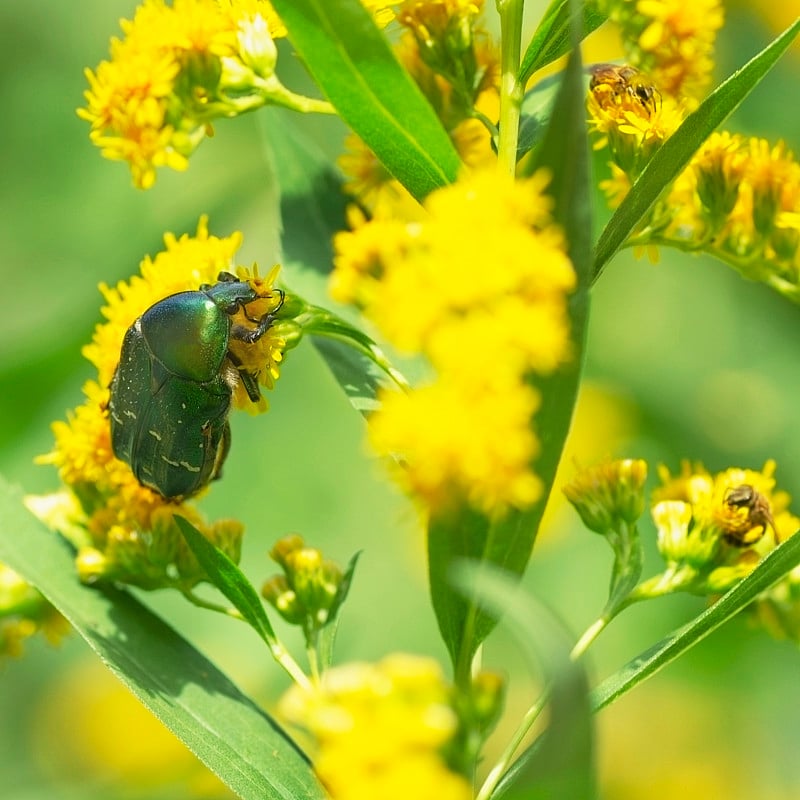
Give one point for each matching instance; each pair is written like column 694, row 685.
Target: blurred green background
column 686, row 360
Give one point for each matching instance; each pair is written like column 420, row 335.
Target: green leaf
column 553, row 39
column 561, row 762
column 229, row 579
column 671, row 158
column 312, row 208
column 312, row 203
column 353, row 64
column 536, row 112
column 774, row 566
column 508, row 543
column 328, row 632
column 200, row 705
column 342, row 591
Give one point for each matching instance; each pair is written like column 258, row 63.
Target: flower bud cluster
column 308, row 587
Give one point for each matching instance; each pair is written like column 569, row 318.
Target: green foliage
column 353, row 64
column 475, row 562
column 197, row 702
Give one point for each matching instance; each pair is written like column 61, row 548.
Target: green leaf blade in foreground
column 200, row 705
column 774, row 566
column 463, row 621
column 229, row 579
column 352, row 62
column 671, row 158
column 560, row 763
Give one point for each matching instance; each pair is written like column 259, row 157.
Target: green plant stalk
column 277, row 650
column 504, row 762
column 319, row 322
column 511, row 91
column 752, row 268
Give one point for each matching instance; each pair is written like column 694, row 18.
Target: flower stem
column 503, row 763
column 279, row 653
column 589, row 635
column 511, row 92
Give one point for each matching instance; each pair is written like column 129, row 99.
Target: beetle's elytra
column 172, row 389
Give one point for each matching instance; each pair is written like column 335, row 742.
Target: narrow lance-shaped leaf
column 312, row 207
column 553, row 37
column 351, row 61
column 229, row 579
column 201, row 706
column 774, row 566
column 508, row 543
column 670, row 159
column 328, row 633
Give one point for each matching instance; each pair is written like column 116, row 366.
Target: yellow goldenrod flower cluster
column 23, row 613
column 180, row 66
column 456, row 66
column 670, row 40
column 478, row 286
column 123, row 530
column 380, row 729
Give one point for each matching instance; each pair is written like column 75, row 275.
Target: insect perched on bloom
column 758, row 513
column 172, row 390
column 623, row 81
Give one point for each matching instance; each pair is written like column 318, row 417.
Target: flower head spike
column 305, row 593
column 464, row 286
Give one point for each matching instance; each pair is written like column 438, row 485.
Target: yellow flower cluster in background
column 671, row 40
column 123, row 530
column 479, row 287
column 379, row 730
column 738, row 198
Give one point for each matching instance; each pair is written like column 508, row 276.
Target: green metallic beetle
column 172, row 390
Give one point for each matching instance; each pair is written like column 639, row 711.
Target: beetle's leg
column 249, row 380
column 250, row 335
